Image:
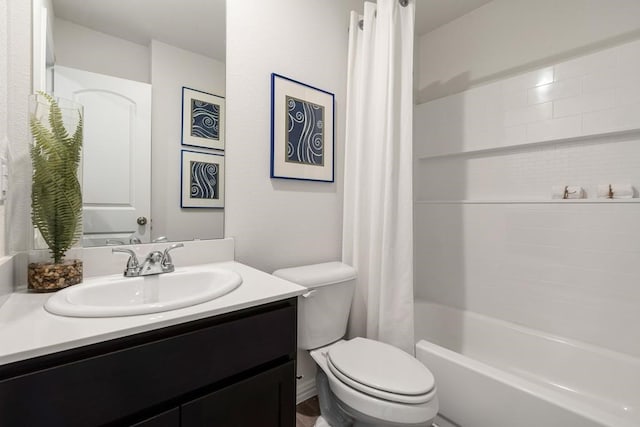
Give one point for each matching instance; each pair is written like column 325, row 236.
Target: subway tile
column 552, row 91
column 612, row 120
column 512, row 135
column 629, row 56
column 546, row 130
column 528, row 80
column 516, row 98
column 585, row 103
column 605, row 78
column 586, row 64
column 628, row 93
column 532, row 113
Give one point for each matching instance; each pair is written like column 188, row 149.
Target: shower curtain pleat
column 378, row 200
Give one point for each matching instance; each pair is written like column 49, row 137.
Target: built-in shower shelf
column 602, row 138
column 525, row 202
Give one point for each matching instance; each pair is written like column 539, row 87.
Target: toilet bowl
column 382, row 388
column 361, row 382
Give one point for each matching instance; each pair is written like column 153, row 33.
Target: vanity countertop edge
column 27, row 330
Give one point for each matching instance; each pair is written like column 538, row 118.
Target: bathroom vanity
column 228, row 362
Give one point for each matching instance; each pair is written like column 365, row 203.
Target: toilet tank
column 323, row 311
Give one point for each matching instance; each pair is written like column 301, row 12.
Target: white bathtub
column 491, row 373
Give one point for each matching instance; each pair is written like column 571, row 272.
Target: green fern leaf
column 56, row 198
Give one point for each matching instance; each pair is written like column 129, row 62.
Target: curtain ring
column 403, row 3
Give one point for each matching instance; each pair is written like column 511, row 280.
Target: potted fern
column 56, row 197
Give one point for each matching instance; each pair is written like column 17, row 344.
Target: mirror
column 127, row 63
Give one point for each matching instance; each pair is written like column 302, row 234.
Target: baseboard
column 305, row 389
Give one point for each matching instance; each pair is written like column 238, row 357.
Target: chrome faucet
column 156, row 262
column 133, row 267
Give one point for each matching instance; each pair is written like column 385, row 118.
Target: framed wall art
column 302, row 131
column 203, row 117
column 202, row 180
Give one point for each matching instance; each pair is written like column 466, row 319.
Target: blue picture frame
column 302, row 131
column 202, row 180
column 203, row 119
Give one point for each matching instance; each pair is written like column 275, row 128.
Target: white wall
column 5, row 288
column 279, row 223
column 488, row 237
column 15, row 18
column 79, row 47
column 508, row 36
column 172, row 68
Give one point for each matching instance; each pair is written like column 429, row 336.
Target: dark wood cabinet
column 170, row 418
column 236, row 369
column 256, row 401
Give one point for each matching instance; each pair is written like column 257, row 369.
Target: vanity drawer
column 160, row 372
column 266, row 400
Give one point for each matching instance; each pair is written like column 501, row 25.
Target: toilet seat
column 381, row 370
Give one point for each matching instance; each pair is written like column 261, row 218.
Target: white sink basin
column 127, row 296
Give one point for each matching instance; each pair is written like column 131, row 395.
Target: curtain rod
column 402, row 3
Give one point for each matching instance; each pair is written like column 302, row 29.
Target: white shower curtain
column 378, row 201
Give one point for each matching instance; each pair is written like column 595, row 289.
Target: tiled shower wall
column 488, row 237
column 590, row 95
column 571, row 270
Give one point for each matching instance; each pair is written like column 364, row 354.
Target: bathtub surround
column 377, row 230
column 507, row 37
column 492, row 239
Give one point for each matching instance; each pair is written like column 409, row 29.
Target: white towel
column 573, row 192
column 620, row 191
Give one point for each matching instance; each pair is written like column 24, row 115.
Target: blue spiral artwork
column 205, row 119
column 204, row 180
column 305, row 132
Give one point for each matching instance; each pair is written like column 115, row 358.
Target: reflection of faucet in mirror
column 134, row 240
column 156, row 262
column 113, row 242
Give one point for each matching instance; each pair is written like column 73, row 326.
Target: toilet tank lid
column 316, row 275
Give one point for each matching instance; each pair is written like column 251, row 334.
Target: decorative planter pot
column 56, row 197
column 50, row 277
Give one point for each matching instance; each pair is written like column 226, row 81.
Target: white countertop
column 27, row 330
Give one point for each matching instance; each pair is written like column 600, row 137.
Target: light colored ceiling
column 199, row 25
column 195, row 25
column 431, row 14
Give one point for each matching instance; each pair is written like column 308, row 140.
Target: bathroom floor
column 307, row 412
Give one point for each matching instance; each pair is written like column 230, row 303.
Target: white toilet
column 361, row 382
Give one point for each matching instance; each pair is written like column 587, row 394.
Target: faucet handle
column 167, row 262
column 132, row 262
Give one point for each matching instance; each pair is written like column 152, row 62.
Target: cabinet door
column 265, row 400
column 170, row 418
